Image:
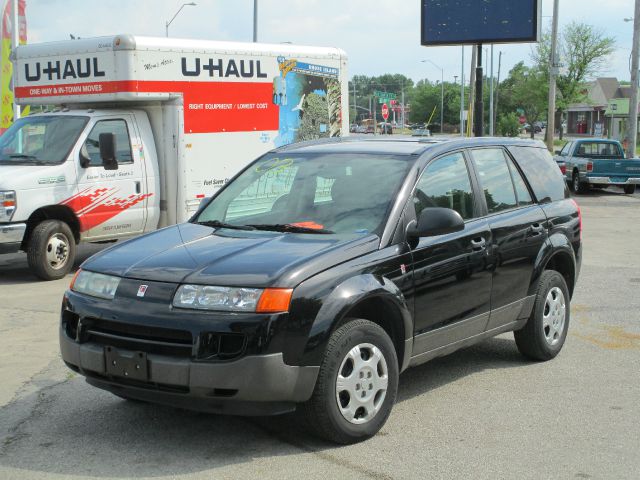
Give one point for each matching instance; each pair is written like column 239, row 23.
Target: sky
column 378, row 36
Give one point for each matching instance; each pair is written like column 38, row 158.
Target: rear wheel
column 356, row 386
column 544, row 334
column 51, row 250
column 577, row 186
column 629, row 189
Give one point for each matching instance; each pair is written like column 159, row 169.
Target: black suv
column 323, row 270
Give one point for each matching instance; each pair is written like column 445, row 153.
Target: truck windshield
column 40, row 140
column 322, row 193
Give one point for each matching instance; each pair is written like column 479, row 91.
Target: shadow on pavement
column 74, row 429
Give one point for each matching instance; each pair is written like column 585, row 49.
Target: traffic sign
column 385, row 111
column 384, row 97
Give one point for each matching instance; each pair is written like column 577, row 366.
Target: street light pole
column 166, row 26
column 441, row 92
column 632, row 124
column 462, row 96
column 255, row 21
column 553, row 71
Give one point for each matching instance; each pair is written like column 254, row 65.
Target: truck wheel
column 544, row 334
column 51, row 250
column 577, row 186
column 629, row 189
column 356, row 386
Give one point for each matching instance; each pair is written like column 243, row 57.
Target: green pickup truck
column 598, row 163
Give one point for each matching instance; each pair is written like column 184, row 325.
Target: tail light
column 589, row 166
column 563, row 169
column 579, row 217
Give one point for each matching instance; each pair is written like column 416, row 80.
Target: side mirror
column 436, row 221
column 107, row 144
column 558, row 152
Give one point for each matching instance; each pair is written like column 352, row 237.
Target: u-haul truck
column 144, row 129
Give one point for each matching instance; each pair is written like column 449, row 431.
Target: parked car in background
column 537, row 128
column 598, row 163
column 326, row 268
column 385, row 128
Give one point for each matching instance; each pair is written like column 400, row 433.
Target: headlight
column 95, row 284
column 7, row 205
column 232, row 299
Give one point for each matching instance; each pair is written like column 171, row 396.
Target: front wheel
column 544, row 334
column 357, row 384
column 629, row 189
column 51, row 250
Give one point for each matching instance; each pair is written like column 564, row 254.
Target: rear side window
column 495, row 179
column 542, row 173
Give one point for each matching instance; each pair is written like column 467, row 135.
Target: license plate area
column 618, row 180
column 126, row 364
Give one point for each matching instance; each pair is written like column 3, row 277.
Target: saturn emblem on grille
column 142, row 289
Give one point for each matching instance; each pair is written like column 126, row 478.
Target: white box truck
column 144, row 129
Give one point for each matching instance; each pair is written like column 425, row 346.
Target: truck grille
column 161, row 341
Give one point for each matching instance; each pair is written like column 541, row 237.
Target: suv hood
column 191, row 253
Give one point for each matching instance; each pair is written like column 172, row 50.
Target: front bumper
column 251, row 385
column 612, row 181
column 11, row 235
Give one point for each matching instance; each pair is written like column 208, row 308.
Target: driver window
column 91, row 147
column 445, row 183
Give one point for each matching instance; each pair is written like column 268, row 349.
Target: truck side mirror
column 436, row 221
column 107, row 143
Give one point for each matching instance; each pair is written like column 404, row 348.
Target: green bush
column 509, row 125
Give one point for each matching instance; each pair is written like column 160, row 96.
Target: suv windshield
column 40, row 140
column 323, row 193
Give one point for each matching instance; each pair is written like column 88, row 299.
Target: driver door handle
column 536, row 228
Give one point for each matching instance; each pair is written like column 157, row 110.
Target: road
column 481, row 413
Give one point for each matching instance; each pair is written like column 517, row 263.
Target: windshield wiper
column 22, row 155
column 219, row 224
column 289, row 227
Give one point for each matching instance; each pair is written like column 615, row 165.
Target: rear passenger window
column 495, row 179
column 445, row 183
column 522, row 192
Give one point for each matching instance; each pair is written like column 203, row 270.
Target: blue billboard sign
column 463, row 22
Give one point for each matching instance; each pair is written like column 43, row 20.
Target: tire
column 577, row 186
column 629, row 189
column 322, row 411
column 544, row 334
column 51, row 250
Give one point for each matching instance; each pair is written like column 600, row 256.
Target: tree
column 584, row 51
column 526, row 89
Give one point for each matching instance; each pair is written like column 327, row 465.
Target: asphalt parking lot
column 483, row 412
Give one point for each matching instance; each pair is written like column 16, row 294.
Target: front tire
column 357, row 384
column 544, row 334
column 629, row 189
column 51, row 250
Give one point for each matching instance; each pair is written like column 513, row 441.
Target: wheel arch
column 52, row 212
column 372, row 298
column 557, row 254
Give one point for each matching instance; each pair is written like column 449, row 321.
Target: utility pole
column 355, row 105
column 478, row 109
column 491, row 104
column 632, row 123
column 472, row 92
column 462, row 96
column 255, row 21
column 553, row 71
column 495, row 106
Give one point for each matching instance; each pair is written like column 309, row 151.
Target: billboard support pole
column 15, row 41
column 478, row 111
column 553, row 70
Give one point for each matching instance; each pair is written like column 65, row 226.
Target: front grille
column 161, row 341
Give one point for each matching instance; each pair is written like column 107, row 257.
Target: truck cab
column 58, row 190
